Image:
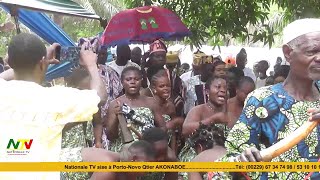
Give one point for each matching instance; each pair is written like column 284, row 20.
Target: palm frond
column 86, row 4
column 103, row 8
column 279, row 20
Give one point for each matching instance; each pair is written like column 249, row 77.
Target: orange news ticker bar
column 160, row 167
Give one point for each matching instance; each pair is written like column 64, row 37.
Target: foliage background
column 214, row 22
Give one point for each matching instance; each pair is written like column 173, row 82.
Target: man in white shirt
column 187, row 75
column 241, row 61
column 123, row 59
column 38, row 114
column 195, row 71
column 263, row 66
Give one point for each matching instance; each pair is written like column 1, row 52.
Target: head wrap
column 230, row 60
column 299, row 28
column 201, row 58
column 158, row 46
column 172, row 57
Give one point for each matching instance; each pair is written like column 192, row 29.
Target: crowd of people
column 149, row 107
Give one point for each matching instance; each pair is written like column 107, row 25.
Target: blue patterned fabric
column 269, row 115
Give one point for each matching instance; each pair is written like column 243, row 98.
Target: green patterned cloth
column 146, row 115
column 75, row 136
column 73, row 140
column 188, row 153
column 72, row 155
column 269, row 115
column 167, row 118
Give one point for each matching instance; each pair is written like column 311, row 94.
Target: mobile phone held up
column 68, row 54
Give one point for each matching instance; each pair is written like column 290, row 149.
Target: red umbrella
column 143, row 24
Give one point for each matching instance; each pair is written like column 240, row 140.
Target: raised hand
column 87, row 56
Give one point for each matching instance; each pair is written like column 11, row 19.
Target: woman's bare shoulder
column 210, row 155
column 150, row 100
column 118, row 99
column 198, row 108
column 97, row 155
column 145, row 92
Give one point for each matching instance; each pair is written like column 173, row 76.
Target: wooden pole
column 15, row 14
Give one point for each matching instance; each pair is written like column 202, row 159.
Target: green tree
column 5, row 36
column 75, row 27
column 7, row 31
column 217, row 21
column 79, row 27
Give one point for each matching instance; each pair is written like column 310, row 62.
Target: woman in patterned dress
column 161, row 88
column 145, row 114
column 212, row 112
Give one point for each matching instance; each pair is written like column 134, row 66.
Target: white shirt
column 260, row 82
column 186, row 76
column 30, row 111
column 118, row 68
column 191, row 96
column 249, row 72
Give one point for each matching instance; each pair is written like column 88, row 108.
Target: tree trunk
column 147, row 2
column 58, row 19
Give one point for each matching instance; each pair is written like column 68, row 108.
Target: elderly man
column 272, row 113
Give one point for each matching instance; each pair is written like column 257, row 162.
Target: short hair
column 123, row 49
column 241, row 55
column 283, row 71
column 130, row 68
column 243, row 50
column 245, row 79
column 75, row 77
column 264, row 62
column 279, row 60
column 143, row 147
column 136, row 49
column 212, row 79
column 156, row 76
column 217, row 63
column 270, row 80
column 151, row 71
column 237, row 71
column 25, row 51
column 208, row 136
column 186, row 65
column 153, row 135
